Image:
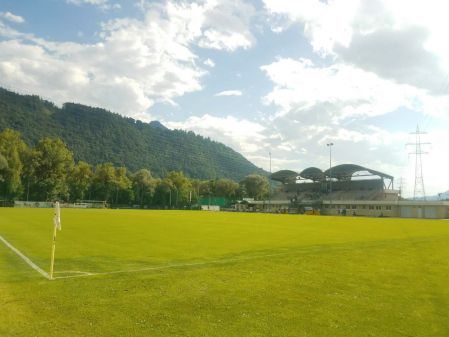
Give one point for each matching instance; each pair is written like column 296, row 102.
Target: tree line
column 48, row 172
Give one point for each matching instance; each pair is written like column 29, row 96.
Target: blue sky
column 262, row 76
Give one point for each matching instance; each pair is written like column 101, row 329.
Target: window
column 378, row 207
column 371, row 207
column 354, row 206
column 388, row 208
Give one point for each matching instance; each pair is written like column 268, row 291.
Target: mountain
column 440, row 196
column 97, row 136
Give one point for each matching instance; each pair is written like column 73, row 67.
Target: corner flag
column 57, row 217
column 57, row 225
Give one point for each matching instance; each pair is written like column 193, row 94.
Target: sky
column 262, row 76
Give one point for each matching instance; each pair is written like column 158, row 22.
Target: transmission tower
column 419, row 190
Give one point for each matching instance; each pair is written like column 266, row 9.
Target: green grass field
column 174, row 273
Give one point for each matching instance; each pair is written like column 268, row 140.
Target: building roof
column 346, row 171
column 284, row 176
column 312, row 173
column 340, row 172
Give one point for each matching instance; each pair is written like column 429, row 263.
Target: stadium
column 346, row 189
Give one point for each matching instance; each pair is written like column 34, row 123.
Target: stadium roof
column 340, row 172
column 346, row 171
column 312, row 173
column 284, row 176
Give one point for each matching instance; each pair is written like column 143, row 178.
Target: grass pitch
column 173, row 273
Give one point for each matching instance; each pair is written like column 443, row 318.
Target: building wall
column 370, row 208
column 422, row 210
column 350, row 209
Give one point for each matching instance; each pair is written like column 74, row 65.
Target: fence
column 50, row 204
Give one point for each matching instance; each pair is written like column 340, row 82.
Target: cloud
column 317, row 104
column 209, row 63
column 399, row 55
column 338, row 92
column 226, row 25
column 135, row 64
column 325, row 24
column 229, row 93
column 406, row 46
column 130, row 69
column 242, row 135
column 102, row 4
column 372, row 58
column 11, row 17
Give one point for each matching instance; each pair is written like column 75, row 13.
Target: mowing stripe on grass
column 25, row 258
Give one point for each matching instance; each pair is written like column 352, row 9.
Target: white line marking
column 180, row 265
column 25, row 258
column 302, row 250
column 73, row 272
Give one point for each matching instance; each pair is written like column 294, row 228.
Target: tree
column 80, row 180
column 51, row 162
column 226, row 188
column 256, row 186
column 123, row 191
column 182, row 188
column 103, row 181
column 144, row 186
column 163, row 194
column 3, row 168
column 207, row 188
column 12, row 151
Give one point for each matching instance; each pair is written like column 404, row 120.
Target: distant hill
column 440, row 196
column 96, row 136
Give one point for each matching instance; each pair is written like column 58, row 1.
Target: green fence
column 218, row 201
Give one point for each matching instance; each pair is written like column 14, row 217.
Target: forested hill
column 97, row 136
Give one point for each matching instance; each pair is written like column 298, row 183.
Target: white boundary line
column 25, row 258
column 173, row 265
column 306, row 249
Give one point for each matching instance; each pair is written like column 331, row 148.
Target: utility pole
column 330, row 173
column 402, row 184
column 419, row 190
column 269, row 192
column 176, row 197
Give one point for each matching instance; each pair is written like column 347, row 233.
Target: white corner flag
column 57, row 217
column 57, row 225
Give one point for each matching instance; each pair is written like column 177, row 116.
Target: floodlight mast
column 330, row 173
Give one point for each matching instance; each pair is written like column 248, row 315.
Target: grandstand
column 346, row 189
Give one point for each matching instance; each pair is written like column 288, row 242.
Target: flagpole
column 53, row 248
column 56, row 226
